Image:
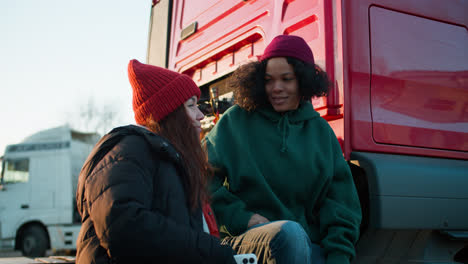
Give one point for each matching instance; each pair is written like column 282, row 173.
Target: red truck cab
column 398, row 105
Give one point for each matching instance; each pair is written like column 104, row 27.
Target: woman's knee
column 291, row 230
column 291, row 244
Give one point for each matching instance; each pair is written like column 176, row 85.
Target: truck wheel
column 34, row 241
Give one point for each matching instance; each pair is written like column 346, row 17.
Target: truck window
column 15, row 171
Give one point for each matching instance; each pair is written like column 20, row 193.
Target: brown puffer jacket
column 133, row 206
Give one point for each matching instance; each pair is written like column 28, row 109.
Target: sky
column 58, row 55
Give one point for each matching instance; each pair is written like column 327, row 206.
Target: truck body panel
column 408, row 192
column 419, row 67
column 410, row 99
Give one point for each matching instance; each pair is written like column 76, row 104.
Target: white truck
column 37, row 190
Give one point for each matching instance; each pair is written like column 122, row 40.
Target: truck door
column 14, row 194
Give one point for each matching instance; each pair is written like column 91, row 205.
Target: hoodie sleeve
column 230, row 211
column 340, row 212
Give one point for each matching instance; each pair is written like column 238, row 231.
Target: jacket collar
column 158, row 144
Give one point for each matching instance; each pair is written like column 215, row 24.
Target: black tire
column 33, row 242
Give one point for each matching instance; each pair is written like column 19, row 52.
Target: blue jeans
column 277, row 242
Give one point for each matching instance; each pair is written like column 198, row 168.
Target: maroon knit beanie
column 158, row 91
column 289, row 46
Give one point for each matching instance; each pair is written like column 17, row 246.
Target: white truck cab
column 37, row 190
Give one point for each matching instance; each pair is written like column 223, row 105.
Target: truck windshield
column 15, row 171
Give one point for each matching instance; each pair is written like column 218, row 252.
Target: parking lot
column 9, row 253
column 16, row 253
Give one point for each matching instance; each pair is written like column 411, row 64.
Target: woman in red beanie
column 282, row 188
column 142, row 190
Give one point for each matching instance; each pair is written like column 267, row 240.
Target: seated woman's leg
column 277, row 242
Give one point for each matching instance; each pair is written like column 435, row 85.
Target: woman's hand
column 257, row 219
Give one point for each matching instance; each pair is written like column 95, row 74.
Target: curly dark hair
column 248, row 83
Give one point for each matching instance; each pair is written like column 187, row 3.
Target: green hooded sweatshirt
column 284, row 167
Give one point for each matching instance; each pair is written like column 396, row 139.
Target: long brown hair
column 177, row 128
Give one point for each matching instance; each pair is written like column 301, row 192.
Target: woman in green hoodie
column 282, row 189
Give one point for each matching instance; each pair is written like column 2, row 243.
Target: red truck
column 399, row 103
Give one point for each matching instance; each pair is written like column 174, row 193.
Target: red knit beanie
column 289, row 46
column 158, row 91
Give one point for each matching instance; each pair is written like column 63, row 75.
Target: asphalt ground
column 16, row 253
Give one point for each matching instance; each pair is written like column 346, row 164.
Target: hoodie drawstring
column 283, row 126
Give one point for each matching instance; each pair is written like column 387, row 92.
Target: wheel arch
column 362, row 187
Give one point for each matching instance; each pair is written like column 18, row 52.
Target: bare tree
column 94, row 117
